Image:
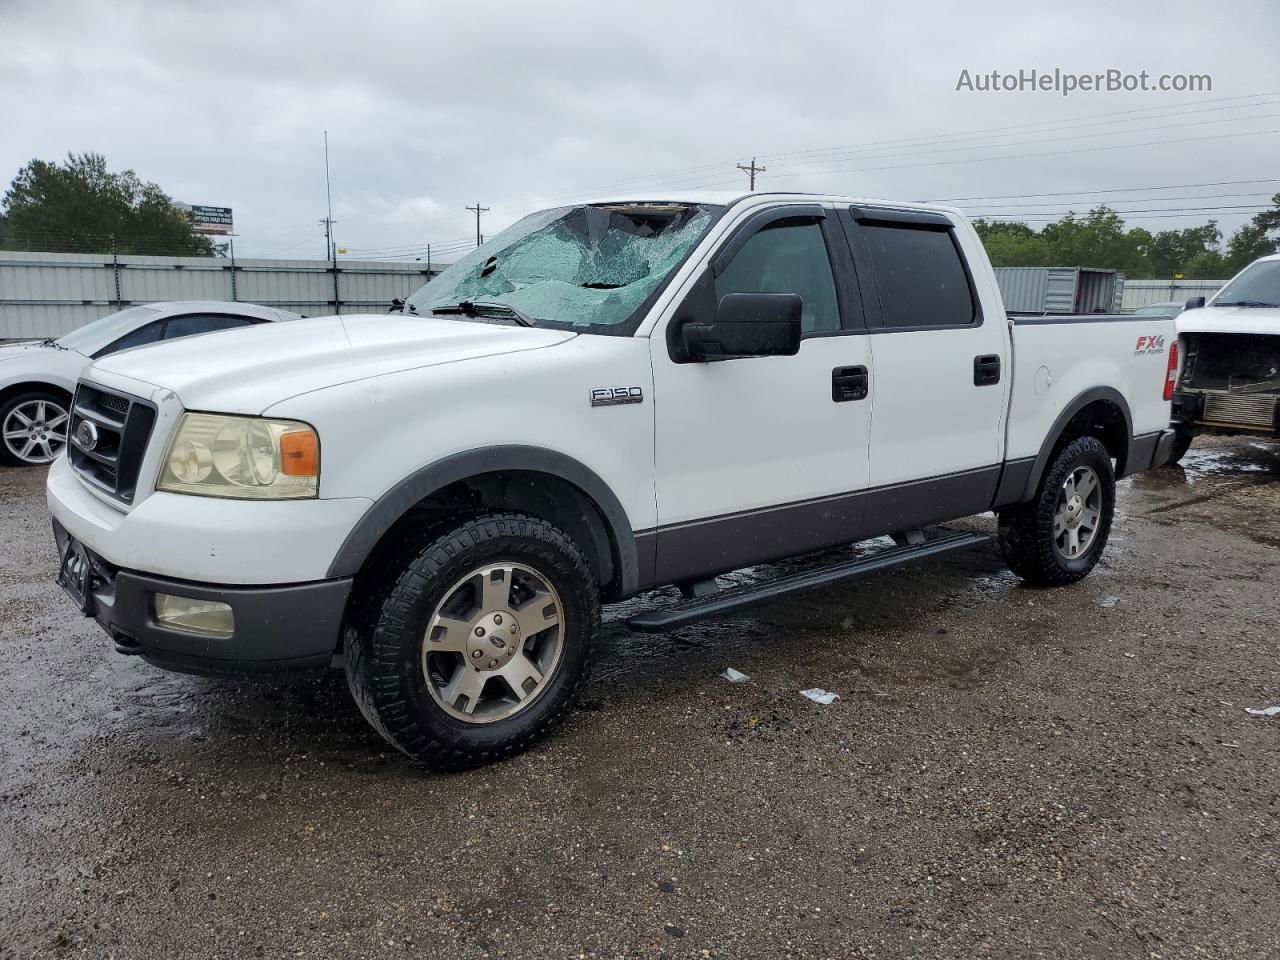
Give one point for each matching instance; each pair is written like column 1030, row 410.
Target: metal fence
column 49, row 294
column 1138, row 293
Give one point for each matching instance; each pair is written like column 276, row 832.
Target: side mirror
column 747, row 325
column 1194, row 303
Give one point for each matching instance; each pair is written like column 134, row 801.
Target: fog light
column 195, row 616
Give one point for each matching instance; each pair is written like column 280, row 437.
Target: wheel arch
column 543, row 482
column 1100, row 411
column 11, row 390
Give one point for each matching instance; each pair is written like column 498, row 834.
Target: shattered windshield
column 589, row 267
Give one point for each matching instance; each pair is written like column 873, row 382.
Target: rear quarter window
column 921, row 276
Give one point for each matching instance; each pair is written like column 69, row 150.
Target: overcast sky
column 434, row 106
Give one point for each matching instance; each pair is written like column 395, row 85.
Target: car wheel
column 33, row 429
column 478, row 643
column 1059, row 536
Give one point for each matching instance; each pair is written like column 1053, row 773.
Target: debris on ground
column 818, row 695
column 1263, row 711
column 733, row 676
column 1109, row 601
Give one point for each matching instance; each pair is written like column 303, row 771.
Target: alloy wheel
column 493, row 643
column 35, row 431
column 1078, row 513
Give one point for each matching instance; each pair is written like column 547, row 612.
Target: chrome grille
column 1240, row 410
column 120, row 427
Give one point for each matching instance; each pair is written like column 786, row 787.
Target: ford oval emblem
column 86, row 436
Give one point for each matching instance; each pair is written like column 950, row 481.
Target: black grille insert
column 121, row 429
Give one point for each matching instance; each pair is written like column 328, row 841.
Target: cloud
column 431, row 107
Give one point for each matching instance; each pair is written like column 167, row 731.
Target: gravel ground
column 1007, row 773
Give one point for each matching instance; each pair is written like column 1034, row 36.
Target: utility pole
column 477, row 210
column 751, row 171
column 331, row 249
column 231, row 241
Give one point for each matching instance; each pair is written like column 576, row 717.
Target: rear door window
column 921, row 276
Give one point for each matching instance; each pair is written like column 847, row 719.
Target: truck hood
column 249, row 370
column 1230, row 320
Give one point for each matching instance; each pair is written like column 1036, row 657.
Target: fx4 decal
column 612, row 396
column 1149, row 344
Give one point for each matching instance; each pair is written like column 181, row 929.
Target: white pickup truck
column 602, row 399
column 1230, row 379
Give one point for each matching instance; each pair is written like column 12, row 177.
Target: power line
column 1108, row 202
column 877, row 155
column 1076, row 193
column 1166, row 111
column 1015, row 156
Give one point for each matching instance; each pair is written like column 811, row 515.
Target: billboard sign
column 215, row 220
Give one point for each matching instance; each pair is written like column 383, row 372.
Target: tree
column 79, row 206
column 1174, row 251
column 1099, row 239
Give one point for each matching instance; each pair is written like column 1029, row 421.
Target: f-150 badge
column 612, row 396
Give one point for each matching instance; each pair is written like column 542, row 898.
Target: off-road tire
column 384, row 652
column 1026, row 531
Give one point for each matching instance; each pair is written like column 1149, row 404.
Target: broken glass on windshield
column 585, row 266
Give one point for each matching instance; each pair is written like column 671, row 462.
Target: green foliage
column 79, row 205
column 1099, row 239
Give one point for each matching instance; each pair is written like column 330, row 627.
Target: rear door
column 939, row 384
column 764, row 457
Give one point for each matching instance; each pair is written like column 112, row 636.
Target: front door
column 765, row 457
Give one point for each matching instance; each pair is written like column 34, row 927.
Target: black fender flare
column 1092, row 395
column 419, row 485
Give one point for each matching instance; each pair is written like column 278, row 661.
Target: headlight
column 248, row 458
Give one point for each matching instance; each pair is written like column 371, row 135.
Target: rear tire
column 478, row 647
column 1059, row 536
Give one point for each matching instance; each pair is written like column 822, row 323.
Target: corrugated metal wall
column 1059, row 289
column 1137, row 293
column 49, row 294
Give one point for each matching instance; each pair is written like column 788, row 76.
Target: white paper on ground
column 733, row 676
column 818, row 695
column 1264, row 712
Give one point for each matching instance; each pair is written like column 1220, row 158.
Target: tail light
column 1171, row 374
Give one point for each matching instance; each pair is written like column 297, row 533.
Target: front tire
column 1059, row 536
column 478, row 648
column 33, row 429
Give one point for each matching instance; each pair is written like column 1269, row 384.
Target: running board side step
column 730, row 601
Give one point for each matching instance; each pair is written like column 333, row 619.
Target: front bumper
column 206, row 539
column 294, row 627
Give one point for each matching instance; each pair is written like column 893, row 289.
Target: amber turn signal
column 300, row 454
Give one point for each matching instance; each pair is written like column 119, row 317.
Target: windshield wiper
column 52, row 342
column 1245, row 303
column 481, row 308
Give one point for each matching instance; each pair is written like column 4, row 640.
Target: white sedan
column 38, row 378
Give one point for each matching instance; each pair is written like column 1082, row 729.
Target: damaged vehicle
column 603, row 399
column 1230, row 379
